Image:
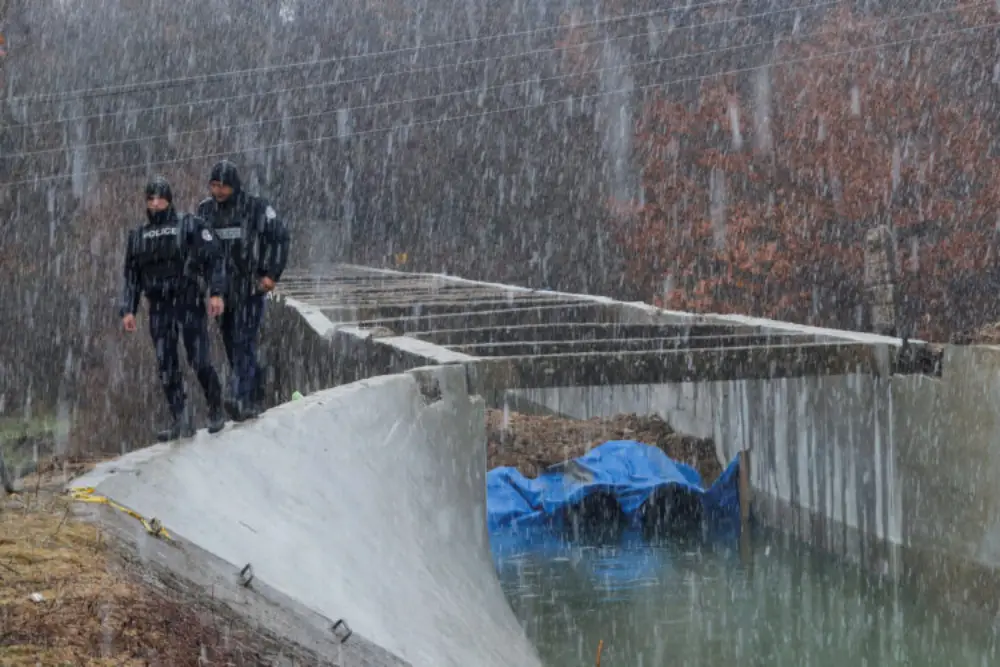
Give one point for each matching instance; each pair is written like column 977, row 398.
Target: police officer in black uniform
column 167, row 259
column 255, row 243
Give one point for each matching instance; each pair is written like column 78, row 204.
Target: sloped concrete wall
column 365, row 502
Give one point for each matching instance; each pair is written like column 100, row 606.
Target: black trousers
column 240, row 327
column 169, row 322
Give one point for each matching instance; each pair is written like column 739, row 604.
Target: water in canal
column 704, row 607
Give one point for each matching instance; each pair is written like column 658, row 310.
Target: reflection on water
column 700, row 606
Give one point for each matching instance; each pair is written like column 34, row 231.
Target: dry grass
column 91, row 611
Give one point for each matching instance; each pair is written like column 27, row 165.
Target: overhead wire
column 437, row 96
column 440, row 121
column 423, row 98
column 455, row 65
column 179, row 81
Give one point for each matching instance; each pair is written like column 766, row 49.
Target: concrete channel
column 875, row 449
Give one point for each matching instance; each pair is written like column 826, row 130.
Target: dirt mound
column 64, row 600
column 985, row 335
column 531, row 443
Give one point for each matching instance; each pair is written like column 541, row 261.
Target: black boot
column 181, row 427
column 249, row 410
column 216, row 419
column 241, row 410
column 260, row 386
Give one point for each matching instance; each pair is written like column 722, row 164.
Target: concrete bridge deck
column 539, row 336
column 519, row 345
column 846, row 432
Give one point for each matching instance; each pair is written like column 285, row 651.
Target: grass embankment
column 66, row 600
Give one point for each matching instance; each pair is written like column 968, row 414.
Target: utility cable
column 347, row 135
column 120, row 89
column 457, row 64
column 430, row 97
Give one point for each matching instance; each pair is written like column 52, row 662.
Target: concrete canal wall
column 880, row 452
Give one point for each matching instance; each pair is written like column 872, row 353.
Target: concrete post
column 880, row 279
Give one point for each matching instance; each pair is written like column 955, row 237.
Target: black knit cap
column 159, row 187
column 225, row 172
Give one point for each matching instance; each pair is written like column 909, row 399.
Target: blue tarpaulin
column 630, row 472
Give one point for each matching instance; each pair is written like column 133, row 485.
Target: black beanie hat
column 226, row 173
column 159, row 187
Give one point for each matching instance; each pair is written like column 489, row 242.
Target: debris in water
column 531, row 443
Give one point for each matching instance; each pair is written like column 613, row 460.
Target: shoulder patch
column 207, row 235
column 269, row 213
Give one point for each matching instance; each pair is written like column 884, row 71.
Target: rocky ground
column 530, row 443
column 66, row 600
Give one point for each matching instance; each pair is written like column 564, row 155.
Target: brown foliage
column 758, row 195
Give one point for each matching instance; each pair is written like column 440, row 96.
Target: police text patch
column 162, row 231
column 229, row 233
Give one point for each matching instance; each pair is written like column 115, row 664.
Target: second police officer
column 255, row 244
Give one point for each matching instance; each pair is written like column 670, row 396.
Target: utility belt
column 165, row 281
column 188, row 295
column 164, row 270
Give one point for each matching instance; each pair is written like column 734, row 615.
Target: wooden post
column 880, row 279
column 746, row 497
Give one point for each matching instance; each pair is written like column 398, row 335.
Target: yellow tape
column 86, row 494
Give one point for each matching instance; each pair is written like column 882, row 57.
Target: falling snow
column 711, row 156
